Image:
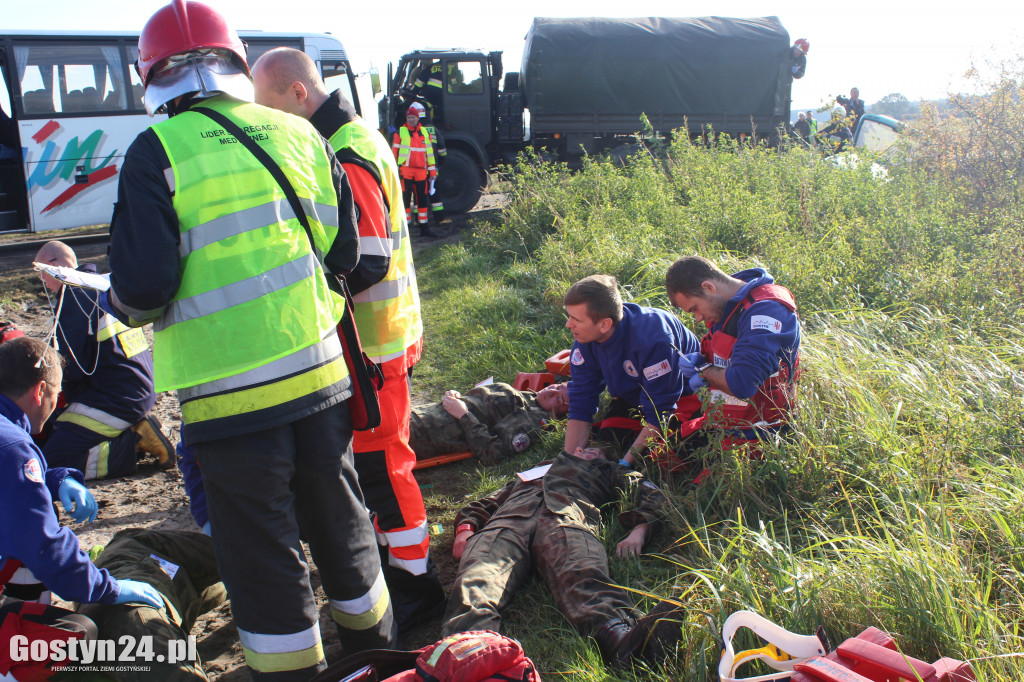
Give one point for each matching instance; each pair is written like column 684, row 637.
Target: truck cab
column 460, row 90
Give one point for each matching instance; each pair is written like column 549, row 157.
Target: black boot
column 652, row 638
column 414, row 598
column 425, row 231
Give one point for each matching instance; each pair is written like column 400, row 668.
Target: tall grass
column 898, row 501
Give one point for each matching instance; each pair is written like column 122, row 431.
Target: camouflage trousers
column 498, row 561
column 189, row 582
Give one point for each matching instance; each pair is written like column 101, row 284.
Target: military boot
column 652, row 638
column 153, row 441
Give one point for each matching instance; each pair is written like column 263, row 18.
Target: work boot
column 153, row 441
column 651, row 639
column 415, row 598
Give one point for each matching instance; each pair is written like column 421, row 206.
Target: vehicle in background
column 584, row 84
column 876, row 133
column 75, row 105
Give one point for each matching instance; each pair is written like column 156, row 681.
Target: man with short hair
column 853, row 105
column 387, row 315
column 632, row 351
column 750, row 356
column 108, row 382
column 206, row 244
column 37, row 554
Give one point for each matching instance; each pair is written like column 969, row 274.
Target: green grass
column 899, row 500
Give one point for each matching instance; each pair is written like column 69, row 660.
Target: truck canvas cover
column 655, row 65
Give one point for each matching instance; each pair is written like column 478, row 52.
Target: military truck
column 584, row 84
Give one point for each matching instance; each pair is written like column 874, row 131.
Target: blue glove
column 207, row 530
column 624, row 463
column 695, row 382
column 689, row 362
column 77, row 500
column 137, row 592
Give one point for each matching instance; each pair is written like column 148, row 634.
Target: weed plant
column 898, row 500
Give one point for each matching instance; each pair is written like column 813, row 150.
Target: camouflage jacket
column 574, row 490
column 501, row 422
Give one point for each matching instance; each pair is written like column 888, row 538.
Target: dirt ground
column 155, row 499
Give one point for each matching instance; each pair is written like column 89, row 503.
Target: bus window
column 138, row 90
column 336, row 78
column 5, row 91
column 70, row 79
column 254, row 49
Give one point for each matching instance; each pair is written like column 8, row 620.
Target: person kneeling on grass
column 37, row 554
column 550, row 516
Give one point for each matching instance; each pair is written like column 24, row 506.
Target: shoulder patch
column 628, row 367
column 520, row 442
column 33, row 470
column 577, row 357
column 765, row 322
column 656, row 370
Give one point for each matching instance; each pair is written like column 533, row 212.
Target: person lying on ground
column 180, row 566
column 494, row 421
column 108, row 383
column 549, row 518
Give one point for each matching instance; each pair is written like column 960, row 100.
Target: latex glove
column 625, row 463
column 77, row 501
column 689, row 362
column 137, row 592
column 207, row 531
column 695, row 382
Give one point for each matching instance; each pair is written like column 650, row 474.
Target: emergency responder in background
column 108, row 383
column 495, row 421
column 429, row 86
column 387, row 310
column 635, row 353
column 750, row 356
column 554, row 519
column 182, row 568
column 415, row 155
column 437, row 139
column 203, row 240
column 799, row 56
column 37, row 554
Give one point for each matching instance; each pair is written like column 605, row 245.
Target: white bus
column 72, row 104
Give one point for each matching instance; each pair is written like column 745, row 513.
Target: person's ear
column 605, row 325
column 299, row 92
column 708, row 288
column 39, row 393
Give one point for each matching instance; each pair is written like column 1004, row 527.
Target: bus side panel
column 72, row 167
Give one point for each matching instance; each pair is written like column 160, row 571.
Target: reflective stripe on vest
column 388, row 313
column 251, row 292
column 415, row 157
column 279, row 653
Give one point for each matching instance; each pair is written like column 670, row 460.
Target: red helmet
column 802, row 44
column 183, row 26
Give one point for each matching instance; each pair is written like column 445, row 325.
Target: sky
column 918, row 49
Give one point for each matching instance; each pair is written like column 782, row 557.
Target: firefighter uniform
column 204, row 241
column 553, row 521
column 414, row 152
column 108, row 385
column 387, row 315
column 179, row 565
column 440, row 152
column 501, row 423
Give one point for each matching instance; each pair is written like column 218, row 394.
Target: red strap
column 822, row 668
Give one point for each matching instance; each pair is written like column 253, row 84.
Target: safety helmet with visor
column 188, row 47
column 802, row 44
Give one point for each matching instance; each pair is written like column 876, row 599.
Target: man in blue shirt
column 34, row 547
column 634, row 352
column 750, row 356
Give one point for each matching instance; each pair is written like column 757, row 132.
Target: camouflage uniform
column 501, row 422
column 194, row 589
column 553, row 521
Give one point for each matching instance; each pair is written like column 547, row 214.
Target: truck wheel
column 460, row 182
